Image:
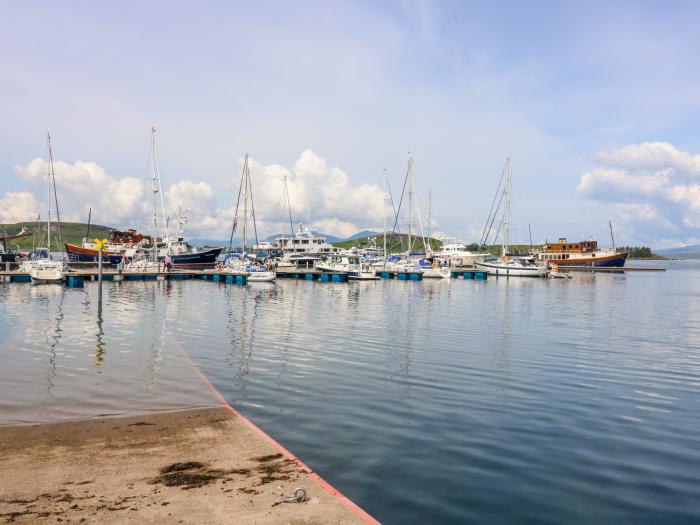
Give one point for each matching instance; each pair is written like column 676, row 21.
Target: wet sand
column 188, row 466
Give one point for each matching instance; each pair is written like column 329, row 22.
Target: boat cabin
column 563, row 246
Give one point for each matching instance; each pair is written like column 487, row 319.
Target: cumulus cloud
column 653, row 188
column 321, row 196
column 18, row 206
column 84, row 185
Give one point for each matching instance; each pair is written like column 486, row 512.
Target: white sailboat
column 40, row 267
column 508, row 265
column 255, row 271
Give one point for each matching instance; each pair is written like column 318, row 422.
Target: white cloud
column 650, row 187
column 85, row 185
column 320, row 196
column 18, row 206
column 651, row 156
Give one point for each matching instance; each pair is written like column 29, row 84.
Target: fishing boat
column 508, row 265
column 42, row 269
column 121, row 244
column 256, row 270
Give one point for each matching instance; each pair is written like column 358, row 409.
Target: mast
column 55, row 198
column 157, row 189
column 289, row 209
column 87, row 234
column 529, row 229
column 430, row 205
column 409, row 175
column 506, row 211
column 245, row 202
column 386, row 196
column 612, row 237
column 48, row 194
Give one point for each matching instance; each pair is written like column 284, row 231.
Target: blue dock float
column 20, row 279
column 401, row 275
column 75, row 281
column 477, row 275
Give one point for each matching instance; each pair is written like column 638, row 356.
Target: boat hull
column 612, row 261
column 261, row 277
column 435, row 273
column 506, row 271
column 200, row 260
column 79, row 254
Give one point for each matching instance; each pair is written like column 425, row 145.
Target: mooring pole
column 100, row 247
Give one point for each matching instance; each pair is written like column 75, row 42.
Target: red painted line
column 348, row 503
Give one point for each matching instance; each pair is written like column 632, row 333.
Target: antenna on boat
column 529, row 229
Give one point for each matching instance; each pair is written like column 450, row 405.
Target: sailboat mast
column 612, row 237
column 245, row 201
column 48, row 194
column 154, row 189
column 506, row 212
column 289, row 208
column 52, row 181
column 430, row 205
column 386, row 197
column 157, row 185
column 409, row 174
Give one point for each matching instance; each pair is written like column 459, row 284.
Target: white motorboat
column 457, row 254
column 365, row 275
column 143, row 265
column 343, row 263
column 435, row 272
column 556, row 274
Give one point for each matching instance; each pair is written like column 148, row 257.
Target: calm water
column 503, row 401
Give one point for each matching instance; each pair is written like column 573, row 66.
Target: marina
column 345, row 263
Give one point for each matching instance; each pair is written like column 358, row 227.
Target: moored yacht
column 342, row 262
column 582, row 253
column 509, row 265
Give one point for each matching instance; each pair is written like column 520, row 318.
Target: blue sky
column 558, row 86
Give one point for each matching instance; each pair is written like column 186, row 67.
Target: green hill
column 71, row 232
column 394, row 243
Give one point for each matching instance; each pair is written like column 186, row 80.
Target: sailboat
column 173, row 248
column 255, row 270
column 427, row 265
column 39, row 265
column 509, row 265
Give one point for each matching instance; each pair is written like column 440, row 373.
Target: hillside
column 684, row 252
column 393, row 242
column 71, row 232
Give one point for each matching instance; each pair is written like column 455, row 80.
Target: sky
column 596, row 103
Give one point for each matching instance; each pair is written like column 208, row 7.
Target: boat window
column 593, row 255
